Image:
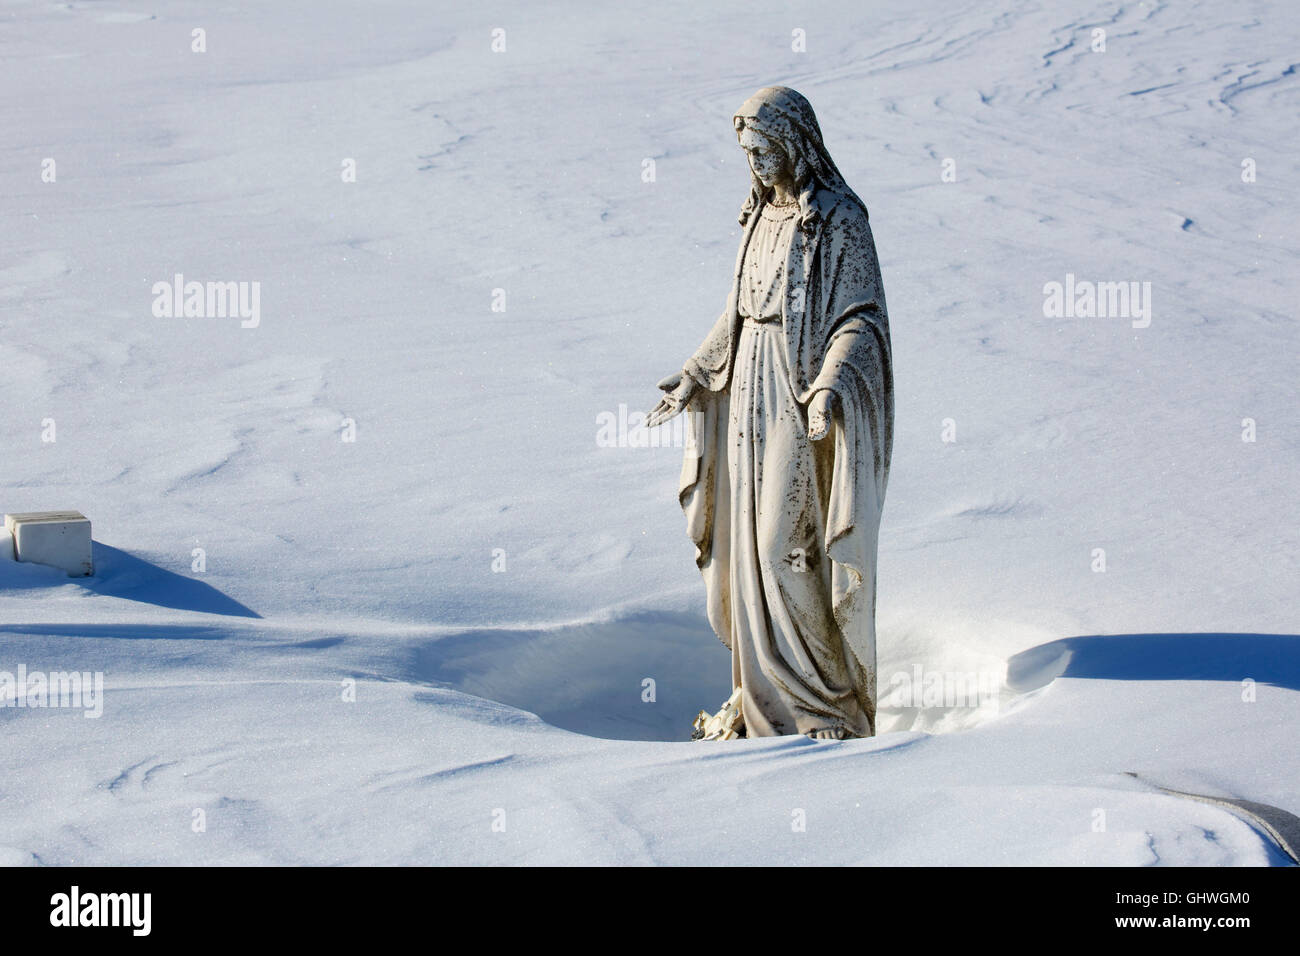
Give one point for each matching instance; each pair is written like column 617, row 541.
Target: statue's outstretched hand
column 820, row 413
column 680, row 389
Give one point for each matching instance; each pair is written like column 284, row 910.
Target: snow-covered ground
column 431, row 644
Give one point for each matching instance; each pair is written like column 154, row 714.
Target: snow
column 515, row 697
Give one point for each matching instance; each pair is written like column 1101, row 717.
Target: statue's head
column 779, row 133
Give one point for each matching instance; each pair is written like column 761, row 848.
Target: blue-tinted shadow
column 1272, row 659
column 126, row 632
column 125, row 576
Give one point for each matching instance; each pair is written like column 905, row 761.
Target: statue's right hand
column 680, row 388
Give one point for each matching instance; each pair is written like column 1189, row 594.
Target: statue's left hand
column 820, row 414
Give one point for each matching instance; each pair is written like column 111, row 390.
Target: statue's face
column 766, row 159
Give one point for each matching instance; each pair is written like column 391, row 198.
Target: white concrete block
column 6, row 546
column 60, row 539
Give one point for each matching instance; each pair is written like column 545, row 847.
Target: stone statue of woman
column 792, row 395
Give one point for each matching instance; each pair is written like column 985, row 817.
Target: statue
column 791, row 395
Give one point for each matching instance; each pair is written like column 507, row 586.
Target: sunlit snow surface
column 501, row 716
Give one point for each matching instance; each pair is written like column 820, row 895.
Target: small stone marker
column 60, row 539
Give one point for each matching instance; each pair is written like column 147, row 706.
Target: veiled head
column 781, row 123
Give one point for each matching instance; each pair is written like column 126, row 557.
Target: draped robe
column 787, row 544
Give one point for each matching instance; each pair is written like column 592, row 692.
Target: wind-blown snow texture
column 476, row 430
